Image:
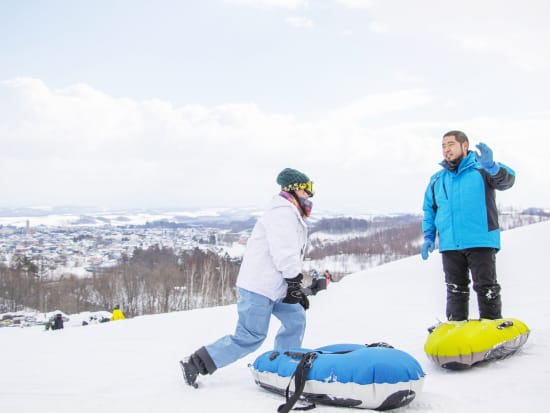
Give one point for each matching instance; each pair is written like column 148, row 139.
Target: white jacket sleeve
column 285, row 235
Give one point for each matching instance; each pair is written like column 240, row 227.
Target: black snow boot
column 197, row 363
column 190, row 372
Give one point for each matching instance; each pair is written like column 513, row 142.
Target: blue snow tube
column 351, row 375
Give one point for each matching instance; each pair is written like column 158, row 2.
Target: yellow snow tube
column 459, row 345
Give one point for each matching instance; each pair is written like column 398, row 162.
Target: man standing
column 269, row 281
column 460, row 206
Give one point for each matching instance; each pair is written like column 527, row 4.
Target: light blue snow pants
column 254, row 314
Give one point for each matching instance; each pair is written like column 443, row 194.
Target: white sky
column 201, row 103
column 132, row 365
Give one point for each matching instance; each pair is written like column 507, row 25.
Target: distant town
column 82, row 245
column 62, row 243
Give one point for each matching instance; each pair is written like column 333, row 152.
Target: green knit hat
column 292, row 179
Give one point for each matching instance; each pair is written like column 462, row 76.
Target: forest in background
column 153, row 280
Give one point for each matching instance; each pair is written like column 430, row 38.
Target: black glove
column 294, row 292
column 304, row 302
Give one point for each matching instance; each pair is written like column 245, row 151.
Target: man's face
column 453, row 150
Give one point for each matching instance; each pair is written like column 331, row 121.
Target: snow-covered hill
column 132, row 365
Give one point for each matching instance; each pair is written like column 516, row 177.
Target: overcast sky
column 200, row 103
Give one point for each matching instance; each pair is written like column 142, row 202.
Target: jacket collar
column 468, row 161
column 279, row 202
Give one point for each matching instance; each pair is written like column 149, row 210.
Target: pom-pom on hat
column 292, row 179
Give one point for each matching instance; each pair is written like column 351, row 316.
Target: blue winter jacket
column 460, row 205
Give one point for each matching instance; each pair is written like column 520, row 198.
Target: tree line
column 400, row 241
column 387, row 238
column 153, row 280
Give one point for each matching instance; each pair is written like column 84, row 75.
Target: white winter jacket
column 275, row 250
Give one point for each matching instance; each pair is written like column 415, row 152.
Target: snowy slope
column 131, row 365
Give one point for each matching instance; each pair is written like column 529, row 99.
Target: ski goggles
column 307, row 187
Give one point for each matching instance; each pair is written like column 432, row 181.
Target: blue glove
column 427, row 247
column 485, row 158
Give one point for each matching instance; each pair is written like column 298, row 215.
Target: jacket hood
column 279, row 202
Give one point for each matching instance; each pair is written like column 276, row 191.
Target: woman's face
column 302, row 194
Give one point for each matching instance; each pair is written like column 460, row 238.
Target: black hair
column 459, row 136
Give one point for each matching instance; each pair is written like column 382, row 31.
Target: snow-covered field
column 132, row 365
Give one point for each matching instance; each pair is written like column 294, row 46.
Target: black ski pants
column 481, row 263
